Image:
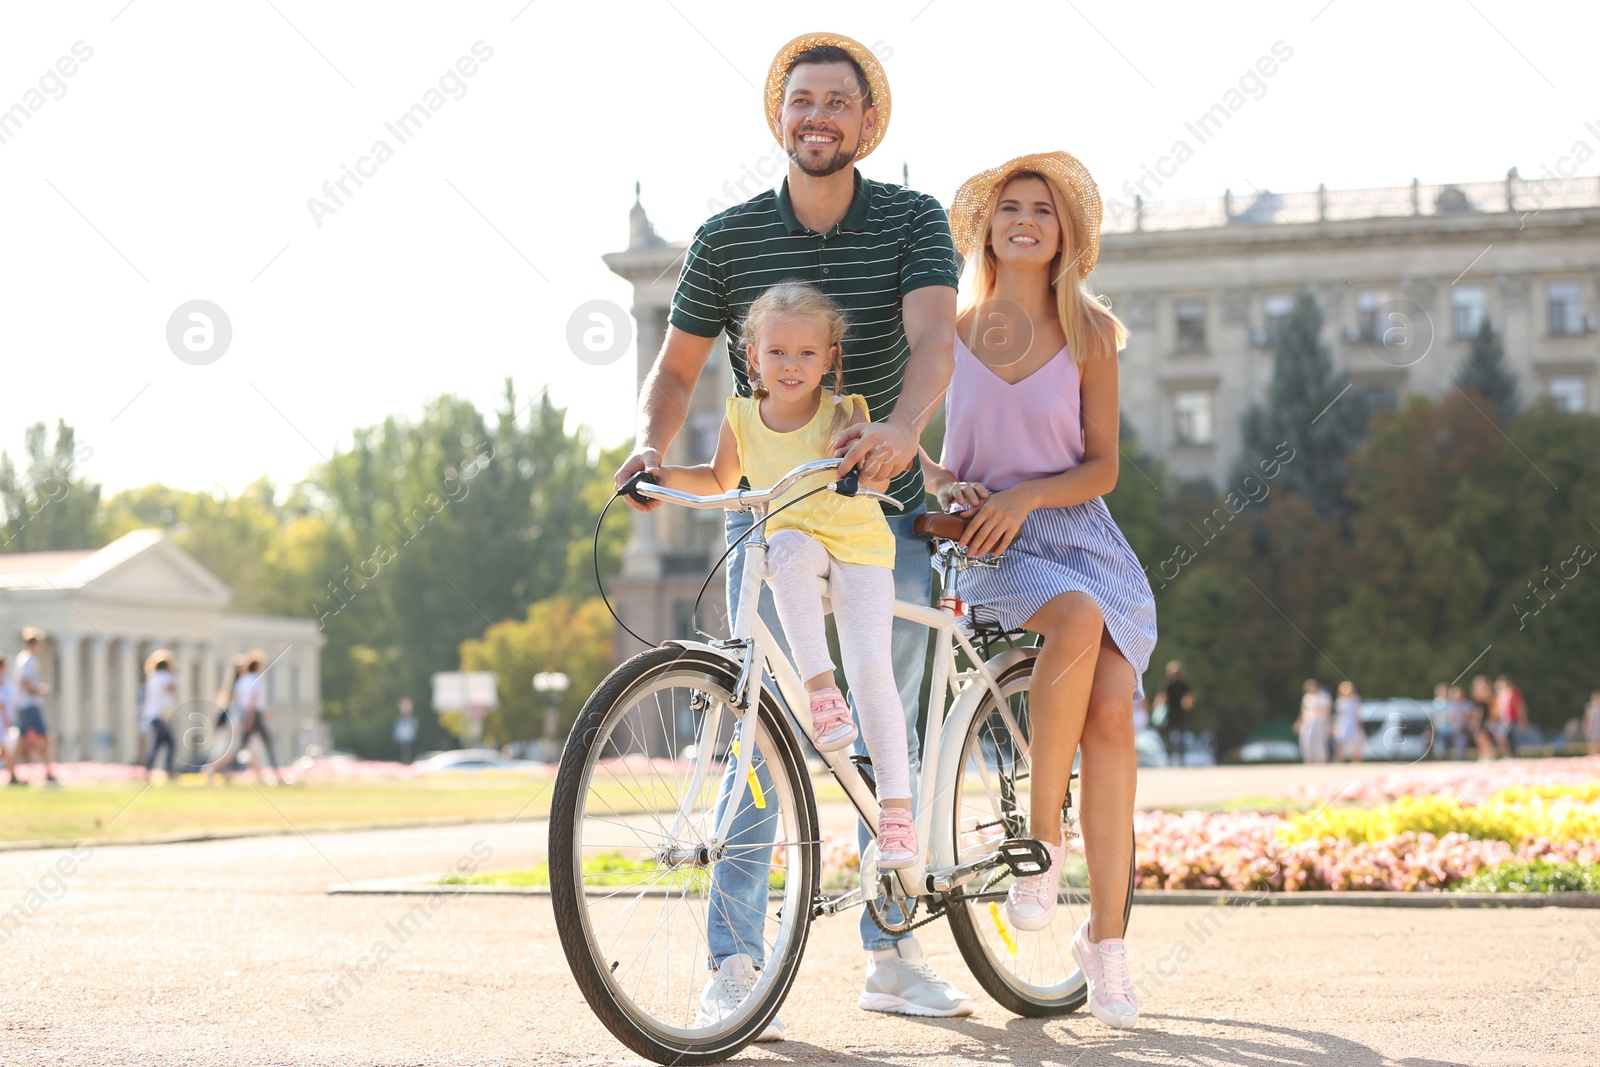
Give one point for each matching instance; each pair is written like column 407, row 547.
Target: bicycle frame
column 953, row 697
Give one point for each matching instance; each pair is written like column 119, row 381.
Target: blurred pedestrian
column 229, row 720
column 1591, row 723
column 250, row 694
column 1462, row 723
column 1180, row 702
column 405, row 730
column 1347, row 729
column 33, row 735
column 1483, row 713
column 1442, row 714
column 160, row 703
column 1316, row 714
column 1511, row 714
column 7, row 747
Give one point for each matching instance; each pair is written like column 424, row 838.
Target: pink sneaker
column 1031, row 901
column 831, row 725
column 897, row 840
column 1105, row 966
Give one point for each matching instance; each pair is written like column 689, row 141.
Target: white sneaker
column 905, row 985
column 728, row 988
column 1105, row 966
column 1031, row 900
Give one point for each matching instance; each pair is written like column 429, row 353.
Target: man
column 1443, row 718
column 1180, row 699
column 884, row 255
column 1316, row 716
column 33, row 740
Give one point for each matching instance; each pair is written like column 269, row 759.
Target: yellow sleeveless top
column 852, row 529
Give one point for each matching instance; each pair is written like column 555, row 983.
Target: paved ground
column 214, row 953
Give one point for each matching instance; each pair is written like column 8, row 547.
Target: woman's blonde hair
column 1086, row 319
column 797, row 300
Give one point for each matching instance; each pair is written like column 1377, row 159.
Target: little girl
column 792, row 336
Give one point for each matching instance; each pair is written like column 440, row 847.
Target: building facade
column 105, row 610
column 1200, row 285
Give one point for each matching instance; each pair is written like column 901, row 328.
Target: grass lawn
column 129, row 812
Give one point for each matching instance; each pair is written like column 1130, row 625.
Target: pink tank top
column 1001, row 433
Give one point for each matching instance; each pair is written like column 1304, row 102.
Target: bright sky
column 175, row 164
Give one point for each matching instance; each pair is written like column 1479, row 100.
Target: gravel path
column 231, row 952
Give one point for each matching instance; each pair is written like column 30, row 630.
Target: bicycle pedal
column 1023, row 856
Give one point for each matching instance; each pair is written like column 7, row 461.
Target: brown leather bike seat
column 934, row 524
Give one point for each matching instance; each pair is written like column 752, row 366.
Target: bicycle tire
column 668, row 1038
column 975, row 915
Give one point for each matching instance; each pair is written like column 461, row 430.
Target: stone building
column 105, row 610
column 1200, row 285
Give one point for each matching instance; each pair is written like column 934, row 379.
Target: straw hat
column 1072, row 182
column 32, row 633
column 877, row 81
column 256, row 656
column 156, row 657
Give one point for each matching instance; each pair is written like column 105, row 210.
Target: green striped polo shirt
column 890, row 242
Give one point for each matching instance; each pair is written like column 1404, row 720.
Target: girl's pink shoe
column 897, row 840
column 831, row 725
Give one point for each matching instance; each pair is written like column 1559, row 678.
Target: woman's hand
column 961, row 496
column 997, row 522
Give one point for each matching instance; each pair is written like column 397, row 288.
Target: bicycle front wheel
column 1030, row 973
column 643, row 899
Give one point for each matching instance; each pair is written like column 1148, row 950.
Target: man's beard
column 833, row 166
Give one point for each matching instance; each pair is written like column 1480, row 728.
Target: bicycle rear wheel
column 1030, row 973
column 632, row 873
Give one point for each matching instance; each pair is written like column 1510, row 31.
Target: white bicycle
column 636, row 842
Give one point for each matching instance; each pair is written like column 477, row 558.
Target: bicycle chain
column 934, row 914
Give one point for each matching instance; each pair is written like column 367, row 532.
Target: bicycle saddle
column 938, row 525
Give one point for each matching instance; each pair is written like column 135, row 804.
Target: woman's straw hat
column 256, row 656
column 1073, row 184
column 877, row 82
column 156, row 657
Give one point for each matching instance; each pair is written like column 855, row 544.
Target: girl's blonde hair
column 1087, row 320
column 797, row 300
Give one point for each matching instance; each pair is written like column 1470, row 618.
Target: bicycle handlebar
column 643, row 488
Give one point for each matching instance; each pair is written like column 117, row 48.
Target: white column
column 69, row 699
column 99, row 717
column 125, row 711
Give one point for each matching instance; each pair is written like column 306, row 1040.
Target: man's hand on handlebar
column 643, row 459
column 880, row 449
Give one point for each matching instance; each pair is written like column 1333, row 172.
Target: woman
column 248, row 701
column 160, row 701
column 227, row 726
column 1030, row 450
column 1347, row 713
column 1483, row 711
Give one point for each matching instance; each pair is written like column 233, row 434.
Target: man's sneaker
column 730, row 984
column 897, row 840
column 1031, row 900
column 905, row 985
column 1105, row 966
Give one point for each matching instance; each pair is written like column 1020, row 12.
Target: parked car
column 1273, row 751
column 473, row 759
column 1400, row 729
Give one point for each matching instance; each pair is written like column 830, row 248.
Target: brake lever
column 850, row 485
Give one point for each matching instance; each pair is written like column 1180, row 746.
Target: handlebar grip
column 630, row 486
column 849, row 484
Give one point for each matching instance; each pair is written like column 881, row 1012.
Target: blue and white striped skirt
column 1060, row 550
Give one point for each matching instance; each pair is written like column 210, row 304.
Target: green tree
column 556, row 635
column 1307, row 407
column 1484, row 372
column 50, row 505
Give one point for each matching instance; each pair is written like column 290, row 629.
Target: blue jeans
column 738, row 898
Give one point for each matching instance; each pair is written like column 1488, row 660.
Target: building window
column 1566, row 308
column 1386, row 397
column 1191, row 325
column 1569, row 392
column 1468, row 305
column 1191, row 417
column 1276, row 309
column 1368, row 325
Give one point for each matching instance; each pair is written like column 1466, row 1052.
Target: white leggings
column 863, row 610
